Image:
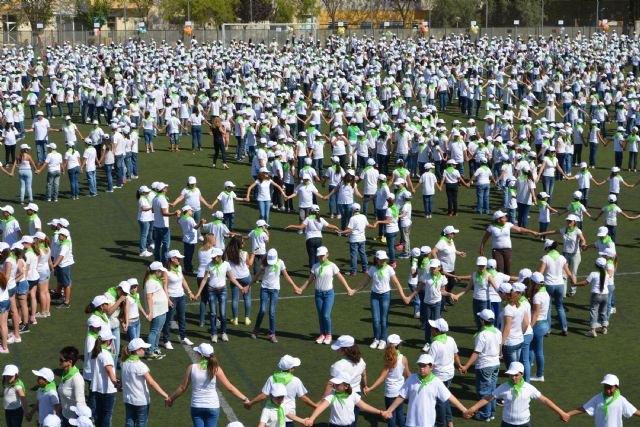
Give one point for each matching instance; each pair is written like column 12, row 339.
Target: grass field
column 105, row 235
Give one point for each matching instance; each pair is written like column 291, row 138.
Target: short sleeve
column 590, row 406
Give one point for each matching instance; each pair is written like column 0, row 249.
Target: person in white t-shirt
column 136, row 379
column 275, row 413
column 609, row 407
column 272, row 268
column 422, row 390
column 599, row 313
column 380, row 278
column 312, row 227
column 517, row 395
column 394, row 373
column 429, row 182
column 226, row 199
column 89, row 162
column 322, row 274
column 53, row 163
column 356, row 228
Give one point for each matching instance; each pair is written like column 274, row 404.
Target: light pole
column 542, row 18
column 251, row 10
column 189, row 10
column 125, row 20
column 597, row 14
column 486, row 17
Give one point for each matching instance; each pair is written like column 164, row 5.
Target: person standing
column 161, row 214
column 609, row 407
column 517, row 395
column 26, row 166
column 53, row 163
column 444, row 351
column 177, row 286
column 553, row 265
column 422, row 390
column 71, row 388
column 351, row 367
column 89, row 162
column 155, row 287
column 356, row 228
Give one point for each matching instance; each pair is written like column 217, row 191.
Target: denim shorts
column 33, row 283
column 22, row 288
column 5, row 305
column 63, row 275
column 44, row 275
column 12, row 291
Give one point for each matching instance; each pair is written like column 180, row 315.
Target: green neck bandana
column 517, row 388
column 282, row 421
column 607, row 401
column 282, row 377
column 340, row 397
column 69, row 374
column 49, row 387
column 425, row 381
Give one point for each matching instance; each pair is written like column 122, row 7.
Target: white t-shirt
column 516, row 408
column 53, row 161
column 446, row 253
column 433, row 286
column 100, row 382
column 271, row 277
column 617, row 409
column 381, row 278
column 422, row 401
column 226, row 199
column 218, row 274
column 516, row 314
column 554, row 263
column 428, row 180
column 487, row 345
column 90, row 156
column 203, row 390
column 542, row 299
column 358, row 225
column 135, row 390
column 160, row 301
column 342, row 413
column 347, row 370
column 324, row 275
column 313, row 227
column 159, row 203
column 72, row 158
column 295, row 389
column 443, row 351
column 500, row 235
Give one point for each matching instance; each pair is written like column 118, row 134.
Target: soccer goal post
column 259, row 32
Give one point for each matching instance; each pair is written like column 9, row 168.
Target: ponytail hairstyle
column 352, row 353
column 3, row 281
column 603, row 277
column 212, row 366
column 97, row 347
column 391, row 356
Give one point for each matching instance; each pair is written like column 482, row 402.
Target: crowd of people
column 376, row 109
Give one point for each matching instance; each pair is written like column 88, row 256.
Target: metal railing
column 53, row 37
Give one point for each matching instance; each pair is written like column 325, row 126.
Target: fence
column 52, row 37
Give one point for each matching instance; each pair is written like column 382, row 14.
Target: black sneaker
column 64, row 305
column 24, row 329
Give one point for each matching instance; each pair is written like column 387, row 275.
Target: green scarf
column 102, row 316
column 395, row 212
column 542, row 290
column 133, row 357
column 488, row 328
column 441, row 338
column 425, row 381
column 69, row 374
column 446, row 239
column 203, row 363
column 275, row 266
column 575, row 206
column 380, row 271
column 49, row 387
column 258, row 231
column 282, row 377
column 216, row 267
column 340, row 397
column 517, row 388
column 323, row 264
column 282, row 421
column 554, row 254
column 607, row 401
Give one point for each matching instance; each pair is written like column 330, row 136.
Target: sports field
column 105, row 233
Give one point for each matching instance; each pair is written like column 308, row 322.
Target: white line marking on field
column 226, row 408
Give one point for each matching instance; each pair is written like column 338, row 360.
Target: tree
column 202, row 11
column 332, row 7
column 99, row 11
column 37, row 12
column 448, row 12
column 306, row 8
column 143, row 7
column 254, row 10
column 284, row 11
column 403, row 7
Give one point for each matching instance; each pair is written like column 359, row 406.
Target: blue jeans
column 540, row 329
column 443, row 410
column 162, row 241
column 133, row 330
column 324, row 304
column 358, row 248
column 427, row 201
column 148, row 136
column 217, row 308
column 179, row 309
column 511, row 353
column 92, row 183
column 523, row 214
column 119, row 170
column 145, row 235
column 611, row 299
column 26, row 177
column 155, row 329
column 270, row 297
column 397, row 417
column 416, row 300
column 486, row 379
column 345, row 212
column 205, row 417
column 73, row 181
column 525, row 356
column 380, row 314
column 13, row 417
column 548, row 183
column 136, row 416
column 104, row 409
column 482, row 198
column 477, row 307
column 229, row 221
column 41, row 151
column 593, row 152
column 333, row 201
column 53, row 185
column 263, row 209
column 556, row 293
column 196, row 137
column 429, row 312
column 189, row 249
column 391, row 246
column 246, row 298
column 128, row 165
column 108, row 170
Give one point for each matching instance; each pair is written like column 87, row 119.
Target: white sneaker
column 186, row 341
column 214, row 338
column 374, row 344
column 613, row 310
column 152, row 246
column 540, row 379
column 148, row 253
column 225, row 337
column 426, row 347
column 168, row 345
column 320, row 339
column 382, row 345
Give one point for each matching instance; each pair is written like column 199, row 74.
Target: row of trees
column 442, row 12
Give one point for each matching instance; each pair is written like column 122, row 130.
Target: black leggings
column 217, row 148
column 9, row 154
column 452, row 198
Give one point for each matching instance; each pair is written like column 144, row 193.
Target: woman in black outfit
column 218, row 132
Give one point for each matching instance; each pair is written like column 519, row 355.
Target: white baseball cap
column 381, row 255
column 157, row 266
column 322, row 251
column 192, row 180
column 229, row 184
column 450, row 229
column 515, row 368
column 272, row 256
column 10, row 370
column 486, row 315
column 287, row 362
column 498, row 214
column 136, row 344
column 440, row 324
column 610, row 379
column 481, row 260
column 394, row 339
column 602, row 231
column 425, row 359
column 343, row 341
column 45, row 373
column 174, row 253
column 204, row 349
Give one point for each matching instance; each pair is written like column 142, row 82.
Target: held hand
column 298, row 291
column 468, row 414
column 168, row 402
column 463, row 254
column 565, row 417
column 386, row 415
column 247, row 405
column 351, row 292
column 454, row 297
column 308, row 422
column 462, row 370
